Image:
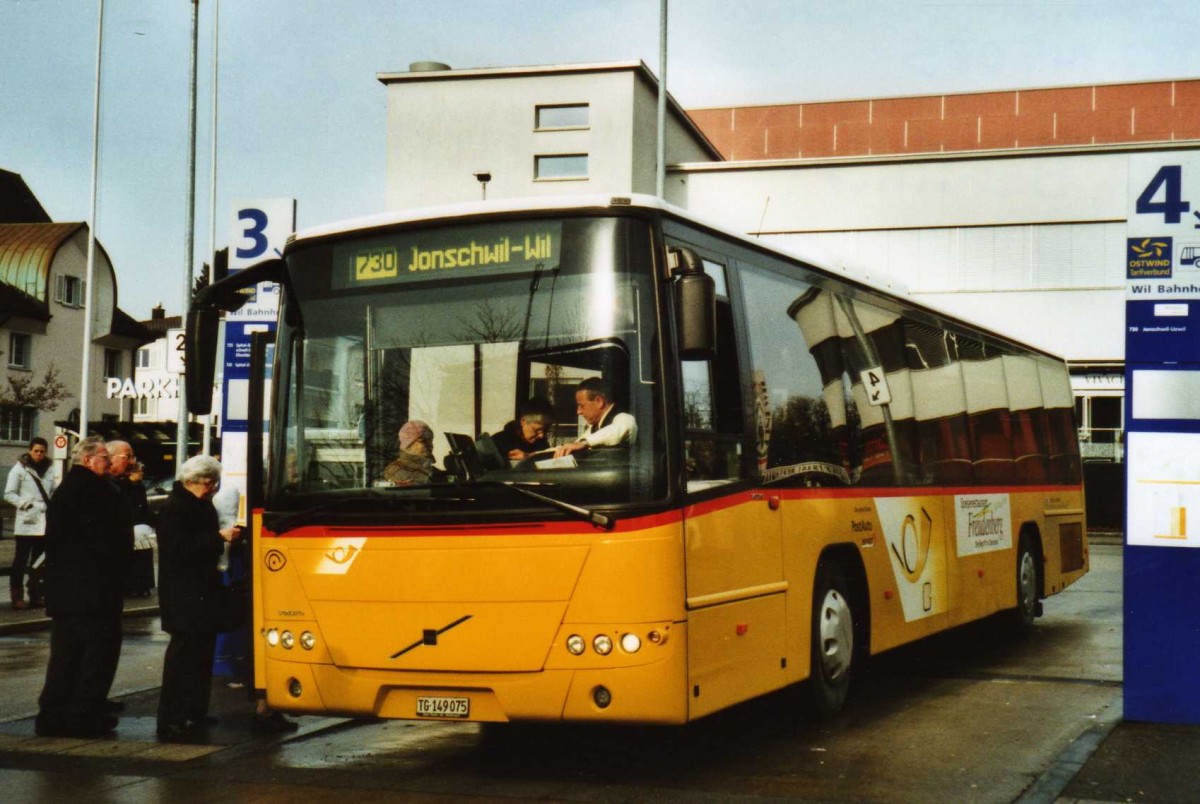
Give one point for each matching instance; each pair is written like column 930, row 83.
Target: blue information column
column 261, row 227
column 1162, row 424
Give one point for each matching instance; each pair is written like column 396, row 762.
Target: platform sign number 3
column 260, row 229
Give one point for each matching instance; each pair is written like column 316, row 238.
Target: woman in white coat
column 30, row 484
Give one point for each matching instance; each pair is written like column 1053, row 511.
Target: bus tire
column 832, row 640
column 1029, row 586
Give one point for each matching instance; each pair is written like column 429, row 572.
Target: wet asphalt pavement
column 973, row 715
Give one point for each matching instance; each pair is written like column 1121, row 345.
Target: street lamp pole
column 206, row 446
column 181, row 431
column 90, row 286
column 660, row 179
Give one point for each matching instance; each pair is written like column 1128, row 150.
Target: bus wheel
column 1028, row 587
column 832, row 640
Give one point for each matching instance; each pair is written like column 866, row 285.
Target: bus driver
column 608, row 426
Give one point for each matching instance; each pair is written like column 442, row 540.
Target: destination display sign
column 466, row 252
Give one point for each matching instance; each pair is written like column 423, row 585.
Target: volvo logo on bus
column 429, row 636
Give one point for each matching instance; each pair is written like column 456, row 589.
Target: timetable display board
column 1162, row 426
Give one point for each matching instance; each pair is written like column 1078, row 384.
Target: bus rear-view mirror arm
column 203, row 324
column 695, row 304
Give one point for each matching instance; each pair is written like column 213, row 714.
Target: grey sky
column 301, row 114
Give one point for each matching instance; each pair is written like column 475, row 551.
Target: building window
column 16, row 424
column 143, row 357
column 20, row 350
column 112, row 363
column 567, row 115
column 69, row 290
column 143, row 405
column 560, row 167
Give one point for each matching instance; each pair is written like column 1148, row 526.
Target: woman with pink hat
column 415, row 462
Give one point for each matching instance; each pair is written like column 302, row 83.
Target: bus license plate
column 443, row 707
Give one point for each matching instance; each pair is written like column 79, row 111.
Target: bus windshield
column 409, row 359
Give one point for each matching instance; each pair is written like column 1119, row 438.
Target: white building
column 1007, row 208
column 43, row 310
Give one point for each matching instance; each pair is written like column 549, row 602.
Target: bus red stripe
column 633, row 524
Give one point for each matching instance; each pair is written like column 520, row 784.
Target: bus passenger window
column 804, row 421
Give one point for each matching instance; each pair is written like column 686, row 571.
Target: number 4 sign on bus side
column 875, row 383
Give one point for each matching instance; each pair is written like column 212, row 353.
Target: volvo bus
column 823, row 469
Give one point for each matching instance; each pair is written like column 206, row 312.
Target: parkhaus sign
column 166, row 387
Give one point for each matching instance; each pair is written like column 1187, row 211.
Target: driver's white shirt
column 622, row 429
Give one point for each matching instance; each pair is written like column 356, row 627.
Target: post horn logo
column 341, row 554
column 913, row 552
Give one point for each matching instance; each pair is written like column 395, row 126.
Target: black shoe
column 96, row 726
column 274, row 723
column 49, row 728
column 176, row 733
column 114, row 706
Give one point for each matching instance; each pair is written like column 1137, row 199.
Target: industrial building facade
column 1007, row 208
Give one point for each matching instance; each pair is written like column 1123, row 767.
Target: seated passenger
column 415, row 462
column 608, row 426
column 526, row 434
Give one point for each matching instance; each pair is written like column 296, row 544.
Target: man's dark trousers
column 84, row 651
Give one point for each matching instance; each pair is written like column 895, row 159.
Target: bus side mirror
column 200, row 357
column 204, row 321
column 695, row 305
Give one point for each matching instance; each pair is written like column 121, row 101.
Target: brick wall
column 1033, row 118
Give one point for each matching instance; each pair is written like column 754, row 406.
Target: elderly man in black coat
column 88, row 545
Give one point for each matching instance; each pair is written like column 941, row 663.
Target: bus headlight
column 287, row 639
column 631, row 643
column 307, row 640
column 602, row 644
column 272, row 637
column 576, row 645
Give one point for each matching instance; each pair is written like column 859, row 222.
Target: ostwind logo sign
column 1148, row 257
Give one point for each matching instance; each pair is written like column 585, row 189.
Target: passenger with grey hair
column 526, row 434
column 87, row 550
column 190, row 543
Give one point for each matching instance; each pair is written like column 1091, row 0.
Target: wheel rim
column 1027, row 583
column 837, row 635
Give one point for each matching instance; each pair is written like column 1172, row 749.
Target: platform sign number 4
column 875, row 382
column 1163, row 195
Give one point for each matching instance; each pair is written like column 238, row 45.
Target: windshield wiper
column 306, row 515
column 388, row 495
column 597, row 519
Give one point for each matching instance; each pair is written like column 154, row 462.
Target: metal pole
column 660, row 180
column 181, row 430
column 90, row 286
column 212, row 189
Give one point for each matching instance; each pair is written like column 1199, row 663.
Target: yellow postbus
column 819, row 470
